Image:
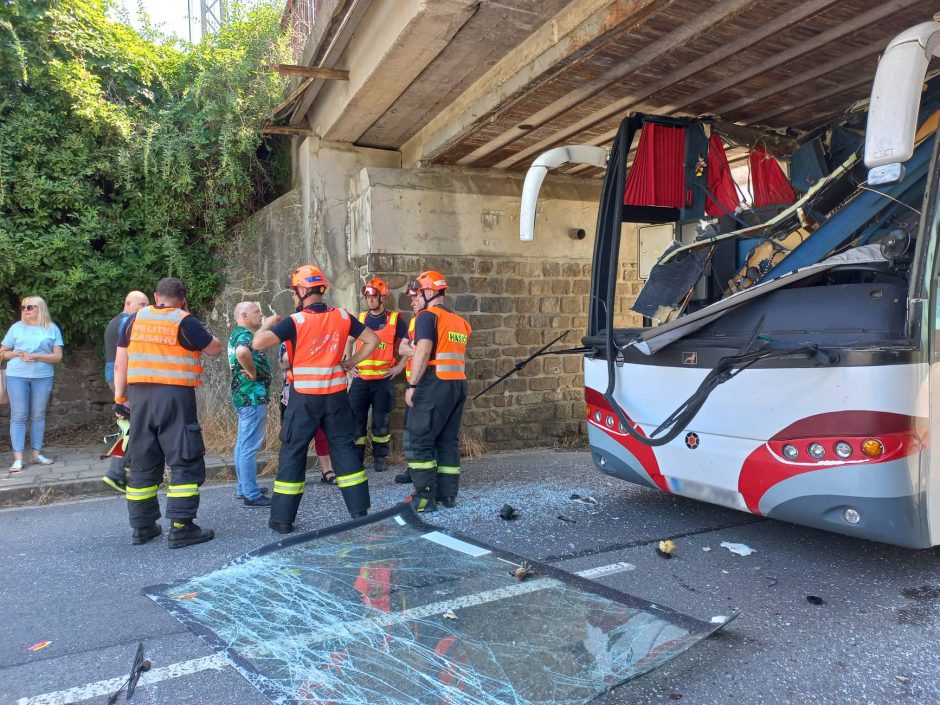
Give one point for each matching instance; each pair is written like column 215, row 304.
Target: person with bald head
column 251, row 392
column 133, row 302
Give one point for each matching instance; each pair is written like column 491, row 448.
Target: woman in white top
column 32, row 346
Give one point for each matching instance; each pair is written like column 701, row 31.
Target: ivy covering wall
column 124, row 158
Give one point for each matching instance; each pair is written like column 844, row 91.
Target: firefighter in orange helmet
column 373, row 378
column 316, row 337
column 437, row 391
column 157, row 368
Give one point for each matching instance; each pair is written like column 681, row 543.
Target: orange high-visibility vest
column 154, row 355
column 411, row 338
column 317, row 350
column 453, row 332
column 383, row 357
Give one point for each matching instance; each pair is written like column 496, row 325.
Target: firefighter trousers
column 433, row 432
column 378, row 394
column 305, row 414
column 164, row 431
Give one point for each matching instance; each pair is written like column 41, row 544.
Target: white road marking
column 219, row 661
column 106, row 687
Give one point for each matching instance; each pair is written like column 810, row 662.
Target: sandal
column 16, row 467
column 328, row 477
column 42, row 460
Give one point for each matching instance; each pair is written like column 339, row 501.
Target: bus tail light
column 873, row 448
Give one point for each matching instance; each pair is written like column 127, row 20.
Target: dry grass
column 48, row 495
column 471, row 447
column 573, row 441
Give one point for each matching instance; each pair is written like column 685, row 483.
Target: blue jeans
column 29, row 398
column 251, row 427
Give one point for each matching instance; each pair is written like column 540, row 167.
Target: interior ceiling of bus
column 774, row 63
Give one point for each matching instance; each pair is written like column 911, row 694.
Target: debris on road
column 739, row 549
column 567, row 519
column 585, row 500
column 508, row 513
column 523, row 571
column 706, row 548
column 815, row 600
column 666, row 548
column 40, row 645
column 449, row 614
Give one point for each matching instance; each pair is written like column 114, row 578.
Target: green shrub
column 123, row 160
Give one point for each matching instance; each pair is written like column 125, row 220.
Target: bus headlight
column 790, row 452
column 816, row 450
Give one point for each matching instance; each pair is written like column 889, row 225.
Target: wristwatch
column 412, row 386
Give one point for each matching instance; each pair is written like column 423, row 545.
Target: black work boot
column 378, row 464
column 403, row 478
column 280, row 527
column 358, row 515
column 449, row 502
column 187, row 534
column 142, row 536
column 422, row 504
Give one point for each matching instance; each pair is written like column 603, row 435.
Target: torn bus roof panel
column 386, row 610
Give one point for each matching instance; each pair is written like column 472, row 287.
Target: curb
column 46, row 492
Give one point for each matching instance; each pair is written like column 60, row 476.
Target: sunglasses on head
column 28, row 307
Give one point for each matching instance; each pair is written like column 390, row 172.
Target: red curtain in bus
column 768, row 182
column 719, row 181
column 657, row 177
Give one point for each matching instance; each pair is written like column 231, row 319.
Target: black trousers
column 305, row 414
column 378, row 394
column 164, row 431
column 432, row 428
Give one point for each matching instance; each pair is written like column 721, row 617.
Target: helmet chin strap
column 300, row 306
column 427, row 301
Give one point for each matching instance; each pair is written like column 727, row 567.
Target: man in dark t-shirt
column 133, row 302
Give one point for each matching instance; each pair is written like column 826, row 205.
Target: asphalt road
column 71, row 577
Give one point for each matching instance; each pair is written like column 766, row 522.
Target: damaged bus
column 787, row 364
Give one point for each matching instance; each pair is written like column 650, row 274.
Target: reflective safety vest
column 383, row 357
column 411, row 339
column 453, row 333
column 317, row 350
column 154, row 355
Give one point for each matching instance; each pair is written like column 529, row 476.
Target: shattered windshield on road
column 388, row 610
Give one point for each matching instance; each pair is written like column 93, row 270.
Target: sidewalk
column 77, row 472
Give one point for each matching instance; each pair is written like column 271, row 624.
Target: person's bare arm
column 264, row 338
column 213, row 349
column 120, row 373
column 245, row 359
column 370, row 342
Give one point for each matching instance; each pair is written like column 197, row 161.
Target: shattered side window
column 387, row 610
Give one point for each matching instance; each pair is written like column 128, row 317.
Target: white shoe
column 42, row 460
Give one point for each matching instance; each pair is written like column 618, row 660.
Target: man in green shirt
column 251, row 381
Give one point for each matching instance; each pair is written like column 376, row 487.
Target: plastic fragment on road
column 739, row 549
column 666, row 548
column 815, row 600
column 40, row 645
column 449, row 614
column 366, row 620
column 584, row 500
column 508, row 513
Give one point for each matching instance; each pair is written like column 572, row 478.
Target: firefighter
column 373, row 378
column 316, row 337
column 406, row 351
column 437, row 391
column 157, row 369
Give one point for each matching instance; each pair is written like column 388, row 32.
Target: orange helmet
column 429, row 280
column 308, row 277
column 375, row 287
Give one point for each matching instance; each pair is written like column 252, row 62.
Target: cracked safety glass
column 387, row 610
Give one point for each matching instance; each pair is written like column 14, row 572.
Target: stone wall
column 515, row 306
column 80, row 399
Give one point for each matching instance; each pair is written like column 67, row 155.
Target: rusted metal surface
column 778, row 63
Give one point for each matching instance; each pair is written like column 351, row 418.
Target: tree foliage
column 123, row 160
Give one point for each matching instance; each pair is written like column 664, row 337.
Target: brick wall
column 515, row 307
